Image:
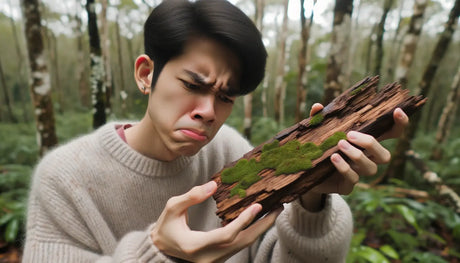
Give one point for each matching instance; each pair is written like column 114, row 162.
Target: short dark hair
column 173, row 22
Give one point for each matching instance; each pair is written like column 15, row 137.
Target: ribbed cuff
column 312, row 224
column 148, row 252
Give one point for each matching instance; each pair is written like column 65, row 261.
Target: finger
column 228, row 233
column 315, row 108
column 196, row 195
column 360, row 162
column 400, row 122
column 375, row 151
column 349, row 177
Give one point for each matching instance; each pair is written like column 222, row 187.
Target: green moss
column 311, row 150
column 272, row 145
column 293, row 165
column 238, row 191
column 357, row 90
column 332, row 141
column 239, row 171
column 289, row 158
column 316, row 119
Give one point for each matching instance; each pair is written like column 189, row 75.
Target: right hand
column 172, row 235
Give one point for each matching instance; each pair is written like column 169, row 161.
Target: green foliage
column 400, row 228
column 14, row 182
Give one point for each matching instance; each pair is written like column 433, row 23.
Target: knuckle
column 171, row 203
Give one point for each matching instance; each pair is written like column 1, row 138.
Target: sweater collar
column 135, row 161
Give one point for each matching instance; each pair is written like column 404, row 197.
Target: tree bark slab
column 360, row 108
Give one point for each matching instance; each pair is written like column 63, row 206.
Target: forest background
column 66, row 67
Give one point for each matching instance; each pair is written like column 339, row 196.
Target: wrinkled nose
column 204, row 109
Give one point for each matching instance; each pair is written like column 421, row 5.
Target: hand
column 361, row 162
column 172, row 235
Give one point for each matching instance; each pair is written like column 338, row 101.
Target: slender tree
column 21, row 69
column 303, row 62
column 7, row 101
column 341, row 27
column 379, row 41
column 447, row 117
column 98, row 90
column 410, row 42
column 280, row 85
column 397, row 165
column 40, row 87
column 106, row 52
column 395, row 44
column 247, row 100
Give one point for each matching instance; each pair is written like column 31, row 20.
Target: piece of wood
column 359, row 108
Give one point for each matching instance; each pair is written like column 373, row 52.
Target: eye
column 225, row 98
column 191, row 86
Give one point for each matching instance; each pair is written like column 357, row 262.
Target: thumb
column 195, row 196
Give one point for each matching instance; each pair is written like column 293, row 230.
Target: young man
column 140, row 192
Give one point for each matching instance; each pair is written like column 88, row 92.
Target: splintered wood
column 360, row 108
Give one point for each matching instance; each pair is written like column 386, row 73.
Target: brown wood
column 359, row 108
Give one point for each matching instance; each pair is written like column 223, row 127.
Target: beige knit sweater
column 95, row 200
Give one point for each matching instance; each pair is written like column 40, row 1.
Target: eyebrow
column 200, row 80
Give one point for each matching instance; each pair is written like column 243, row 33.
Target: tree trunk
column 53, row 56
column 280, row 85
column 335, row 73
column 106, row 53
column 359, row 108
column 300, row 110
column 379, row 41
column 98, row 89
column 397, row 165
column 6, row 96
column 258, row 17
column 122, row 92
column 410, row 42
column 22, row 71
column 395, row 45
column 81, row 68
column 40, row 87
column 447, row 117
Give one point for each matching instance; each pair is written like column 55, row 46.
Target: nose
column 204, row 109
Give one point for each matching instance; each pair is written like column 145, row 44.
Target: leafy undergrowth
column 399, row 229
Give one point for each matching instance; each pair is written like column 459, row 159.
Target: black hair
column 173, row 22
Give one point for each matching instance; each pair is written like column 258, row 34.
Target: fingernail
column 344, row 145
column 256, row 209
column 335, row 158
column 352, row 135
column 210, row 186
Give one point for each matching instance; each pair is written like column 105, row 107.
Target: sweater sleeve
column 64, row 225
column 302, row 236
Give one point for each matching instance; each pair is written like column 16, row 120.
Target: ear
column 143, row 71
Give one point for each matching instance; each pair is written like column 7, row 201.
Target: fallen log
column 360, row 108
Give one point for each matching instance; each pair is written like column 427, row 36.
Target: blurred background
column 66, row 68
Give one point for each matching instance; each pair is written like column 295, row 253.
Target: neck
column 144, row 139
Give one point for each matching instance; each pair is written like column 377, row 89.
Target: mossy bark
column 365, row 111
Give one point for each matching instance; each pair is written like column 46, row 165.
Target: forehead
column 211, row 60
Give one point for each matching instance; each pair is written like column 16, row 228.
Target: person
column 141, row 191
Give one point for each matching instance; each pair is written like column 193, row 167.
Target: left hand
column 361, row 162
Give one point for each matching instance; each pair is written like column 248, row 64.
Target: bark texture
column 39, row 82
column 335, row 72
column 98, row 90
column 397, row 165
column 410, row 42
column 300, row 111
column 359, row 108
column 447, row 117
column 280, row 84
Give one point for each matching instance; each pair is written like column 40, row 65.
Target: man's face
column 190, row 100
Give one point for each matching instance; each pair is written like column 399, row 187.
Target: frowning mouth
column 194, row 134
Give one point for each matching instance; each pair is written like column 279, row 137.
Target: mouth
column 194, row 134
